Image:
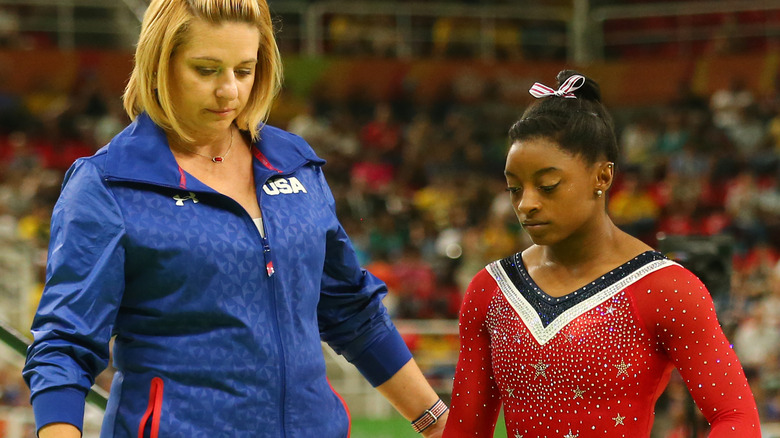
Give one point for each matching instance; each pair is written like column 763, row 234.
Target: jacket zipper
column 277, row 332
column 269, row 271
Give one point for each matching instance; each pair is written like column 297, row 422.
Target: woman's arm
column 84, row 286
column 409, row 392
column 59, row 430
column 355, row 323
column 476, row 400
column 682, row 314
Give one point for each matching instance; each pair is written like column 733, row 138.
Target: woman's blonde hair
column 164, row 29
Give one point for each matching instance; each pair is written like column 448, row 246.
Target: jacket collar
column 140, row 153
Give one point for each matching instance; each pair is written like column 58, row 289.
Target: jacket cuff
column 62, row 405
column 383, row 358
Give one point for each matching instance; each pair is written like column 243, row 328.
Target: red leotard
column 594, row 362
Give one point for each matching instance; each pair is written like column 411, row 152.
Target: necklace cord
column 215, row 158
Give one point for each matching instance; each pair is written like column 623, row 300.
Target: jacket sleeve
column 84, row 285
column 352, row 318
column 476, row 400
column 681, row 314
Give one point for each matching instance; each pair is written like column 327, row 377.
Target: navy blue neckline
column 549, row 307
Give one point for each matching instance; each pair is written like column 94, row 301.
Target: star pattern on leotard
column 589, row 350
column 541, row 369
column 622, row 368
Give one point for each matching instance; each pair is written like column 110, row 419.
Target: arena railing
column 576, row 30
column 694, row 21
column 118, row 22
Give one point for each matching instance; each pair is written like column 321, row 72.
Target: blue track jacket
column 217, row 329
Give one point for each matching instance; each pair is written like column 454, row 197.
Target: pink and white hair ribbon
column 565, row 90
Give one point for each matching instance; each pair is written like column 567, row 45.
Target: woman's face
column 211, row 75
column 552, row 191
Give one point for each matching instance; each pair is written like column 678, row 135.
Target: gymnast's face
column 212, row 74
column 551, row 190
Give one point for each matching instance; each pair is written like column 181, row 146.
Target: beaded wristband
column 430, row 416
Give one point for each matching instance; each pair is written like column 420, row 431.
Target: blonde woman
column 207, row 244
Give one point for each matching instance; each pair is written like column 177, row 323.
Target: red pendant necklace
column 216, row 158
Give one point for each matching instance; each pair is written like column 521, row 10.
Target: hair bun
column 590, row 90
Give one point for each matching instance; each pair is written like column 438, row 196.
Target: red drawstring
column 153, row 409
column 346, row 408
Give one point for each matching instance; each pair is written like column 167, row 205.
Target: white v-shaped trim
column 531, row 319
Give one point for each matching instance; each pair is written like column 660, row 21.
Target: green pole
column 12, row 338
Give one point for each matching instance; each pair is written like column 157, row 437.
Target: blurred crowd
column 420, row 191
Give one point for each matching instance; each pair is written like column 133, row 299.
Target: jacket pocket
column 153, row 409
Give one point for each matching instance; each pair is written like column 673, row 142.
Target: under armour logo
column 180, row 199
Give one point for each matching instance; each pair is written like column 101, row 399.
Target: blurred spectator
column 109, row 124
column 638, row 141
column 345, row 35
column 774, row 132
column 383, row 36
column 507, row 40
column 9, row 29
column 371, row 174
column 381, row 133
column 677, row 219
column 455, row 36
column 310, row 125
column 674, row 134
column 727, row 103
column 756, row 268
column 678, row 418
column 417, row 139
column 632, row 208
column 47, row 101
column 13, row 391
column 386, row 236
column 416, row 285
column 742, row 201
column 20, row 153
column 689, row 164
column 772, row 301
column 381, row 266
column 756, row 343
column 686, row 99
column 747, row 132
column 727, row 38
column 450, row 240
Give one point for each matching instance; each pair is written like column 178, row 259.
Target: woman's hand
column 437, row 429
column 411, row 395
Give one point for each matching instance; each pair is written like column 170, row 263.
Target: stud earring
column 599, row 193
